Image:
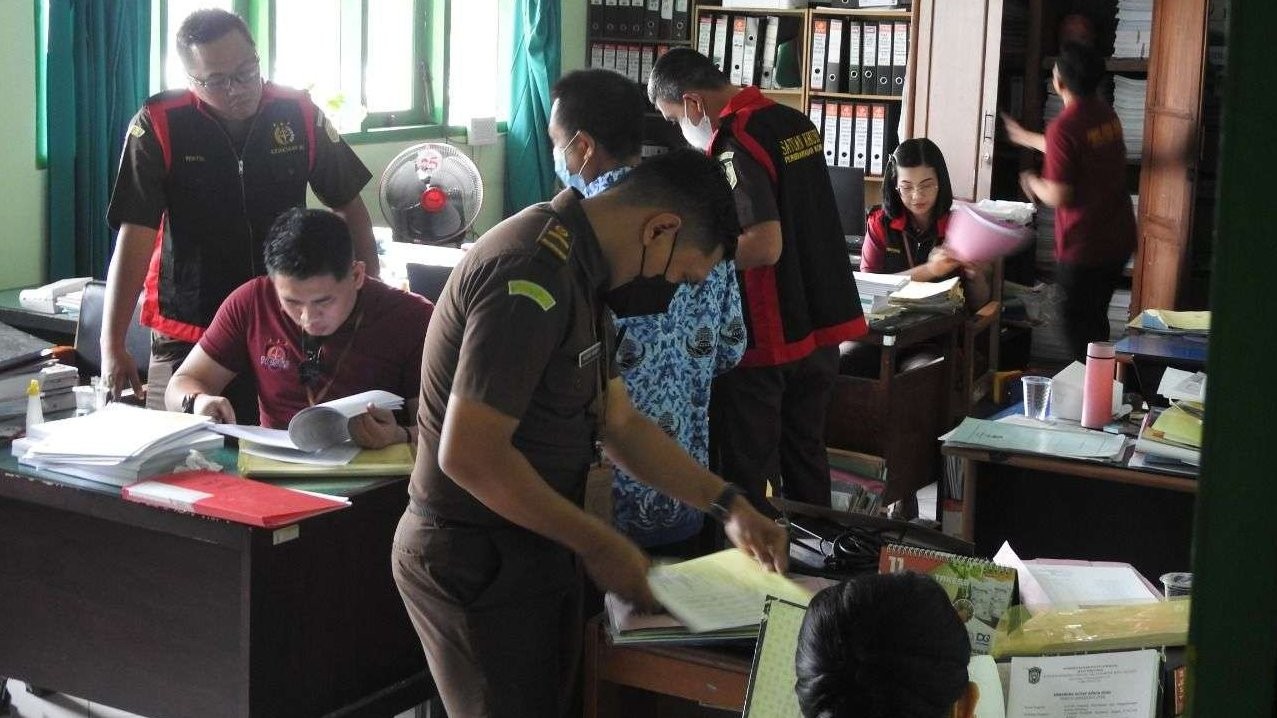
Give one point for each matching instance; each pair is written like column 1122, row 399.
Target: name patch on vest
column 798, row 147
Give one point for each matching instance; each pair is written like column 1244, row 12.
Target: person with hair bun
column 884, row 646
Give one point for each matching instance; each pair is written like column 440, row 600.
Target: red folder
column 224, row 496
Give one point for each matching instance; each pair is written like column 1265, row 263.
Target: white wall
column 22, row 219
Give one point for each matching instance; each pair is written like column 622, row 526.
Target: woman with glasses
column 905, row 235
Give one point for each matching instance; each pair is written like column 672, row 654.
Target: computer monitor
column 849, row 195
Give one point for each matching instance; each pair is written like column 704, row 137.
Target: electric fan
column 431, row 194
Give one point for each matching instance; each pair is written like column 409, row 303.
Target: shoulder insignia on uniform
column 329, row 128
column 557, row 239
column 533, row 291
column 729, row 167
column 136, row 130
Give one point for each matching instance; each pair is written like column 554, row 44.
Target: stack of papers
column 1134, row 28
column 724, row 591
column 1172, row 439
column 943, row 296
column 1129, row 96
column 56, row 384
column 876, row 288
column 117, row 445
column 1119, row 311
column 1046, row 439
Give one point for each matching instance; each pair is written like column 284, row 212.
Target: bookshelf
column 628, row 36
column 806, row 33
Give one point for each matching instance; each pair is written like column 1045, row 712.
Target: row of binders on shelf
column 633, row 61
column 856, row 134
column 746, row 48
column 640, row 19
column 859, row 58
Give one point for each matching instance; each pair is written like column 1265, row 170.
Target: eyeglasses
column 310, row 370
column 921, row 190
column 222, row 83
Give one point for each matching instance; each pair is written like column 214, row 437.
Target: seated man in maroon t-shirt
column 314, row 329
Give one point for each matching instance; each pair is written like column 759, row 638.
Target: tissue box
column 1066, row 393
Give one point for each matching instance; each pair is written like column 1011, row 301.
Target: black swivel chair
column 88, row 332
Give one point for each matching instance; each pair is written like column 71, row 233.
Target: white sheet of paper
column 1012, row 437
column 1181, row 385
column 257, row 434
column 1069, row 586
column 338, row 455
column 983, row 671
column 1096, row 685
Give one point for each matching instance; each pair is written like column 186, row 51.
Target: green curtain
column 529, row 176
column 98, row 59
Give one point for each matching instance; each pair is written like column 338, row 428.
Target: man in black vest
column 204, row 173
column 799, row 297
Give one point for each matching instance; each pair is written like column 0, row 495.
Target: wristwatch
column 188, row 402
column 720, row 508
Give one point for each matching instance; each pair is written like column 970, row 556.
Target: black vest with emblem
column 808, row 299
column 221, row 203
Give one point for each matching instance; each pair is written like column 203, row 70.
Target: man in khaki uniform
column 517, row 385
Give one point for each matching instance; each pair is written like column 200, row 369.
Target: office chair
column 88, row 333
column 427, row 280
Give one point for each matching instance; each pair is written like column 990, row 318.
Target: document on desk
column 772, row 677
column 721, row 590
column 1067, row 443
column 1113, row 685
column 983, row 671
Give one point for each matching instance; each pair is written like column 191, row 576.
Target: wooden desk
column 898, row 414
column 1059, row 508
column 56, row 328
column 710, row 677
column 168, row 614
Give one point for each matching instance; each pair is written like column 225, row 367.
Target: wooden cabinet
column 956, row 91
column 1172, row 126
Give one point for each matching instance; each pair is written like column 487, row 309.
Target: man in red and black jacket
column 203, row 175
column 797, row 289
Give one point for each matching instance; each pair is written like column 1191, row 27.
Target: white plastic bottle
column 35, row 411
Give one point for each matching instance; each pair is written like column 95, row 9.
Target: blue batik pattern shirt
column 668, row 362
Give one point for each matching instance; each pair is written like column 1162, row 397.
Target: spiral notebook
column 981, row 590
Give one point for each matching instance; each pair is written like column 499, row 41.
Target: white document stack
column 875, row 289
column 1129, row 95
column 1134, row 28
column 116, row 445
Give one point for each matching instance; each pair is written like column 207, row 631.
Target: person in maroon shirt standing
column 314, row 329
column 1084, row 179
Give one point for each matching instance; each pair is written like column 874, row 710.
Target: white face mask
column 698, row 135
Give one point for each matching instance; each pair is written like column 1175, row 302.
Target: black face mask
column 644, row 295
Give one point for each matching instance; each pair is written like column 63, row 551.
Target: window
column 479, row 85
column 371, row 64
